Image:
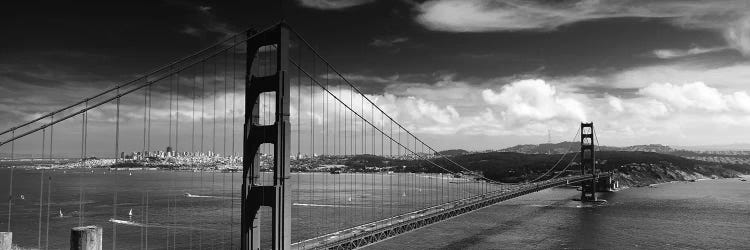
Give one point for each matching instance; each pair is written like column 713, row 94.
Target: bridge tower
column 588, row 162
column 254, row 194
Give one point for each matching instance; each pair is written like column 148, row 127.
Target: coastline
column 665, row 176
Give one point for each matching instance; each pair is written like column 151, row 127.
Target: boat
column 335, row 172
column 60, row 213
column 130, row 214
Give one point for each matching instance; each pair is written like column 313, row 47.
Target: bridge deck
column 383, row 229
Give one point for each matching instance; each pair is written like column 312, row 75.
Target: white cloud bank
column 670, row 112
column 533, row 99
column 731, row 18
column 695, row 108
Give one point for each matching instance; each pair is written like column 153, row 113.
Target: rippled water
column 201, row 209
column 186, row 210
column 710, row 214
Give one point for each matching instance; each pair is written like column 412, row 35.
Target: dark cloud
column 388, row 42
column 577, row 51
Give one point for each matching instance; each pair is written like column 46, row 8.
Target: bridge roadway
column 370, row 233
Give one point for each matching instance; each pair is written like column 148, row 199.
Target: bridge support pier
column 256, row 194
column 588, row 162
column 607, row 184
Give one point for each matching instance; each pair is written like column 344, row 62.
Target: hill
column 454, row 152
column 633, row 168
column 562, row 147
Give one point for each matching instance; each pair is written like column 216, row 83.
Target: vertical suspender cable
column 226, row 66
column 148, row 137
column 213, row 115
column 117, row 126
column 177, row 117
column 192, row 117
column 234, row 93
column 117, row 149
column 145, row 111
column 10, row 182
column 41, row 192
column 49, row 183
column 312, row 138
column 169, row 137
column 203, row 103
column 49, row 194
column 83, row 158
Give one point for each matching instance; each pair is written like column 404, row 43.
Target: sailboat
column 60, row 214
column 403, row 194
column 130, row 214
column 349, row 199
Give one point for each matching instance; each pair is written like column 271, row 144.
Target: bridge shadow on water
column 547, row 219
column 499, row 230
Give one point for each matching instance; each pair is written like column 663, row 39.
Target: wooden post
column 86, row 238
column 6, row 240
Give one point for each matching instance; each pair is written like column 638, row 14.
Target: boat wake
column 136, row 224
column 189, row 195
column 129, row 223
column 317, row 205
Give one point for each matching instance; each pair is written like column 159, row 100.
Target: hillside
column 562, row 147
column 633, row 168
column 453, row 152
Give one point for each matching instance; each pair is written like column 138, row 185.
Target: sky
column 471, row 74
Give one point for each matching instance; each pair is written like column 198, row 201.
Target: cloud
column 729, row 76
column 737, row 33
column 680, row 111
column 731, row 18
column 190, row 30
column 677, row 53
column 686, row 96
column 451, row 107
column 388, row 42
column 533, row 99
column 496, row 112
column 697, row 96
column 332, row 4
column 204, row 8
column 209, row 23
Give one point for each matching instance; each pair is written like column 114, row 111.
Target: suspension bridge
column 254, row 142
